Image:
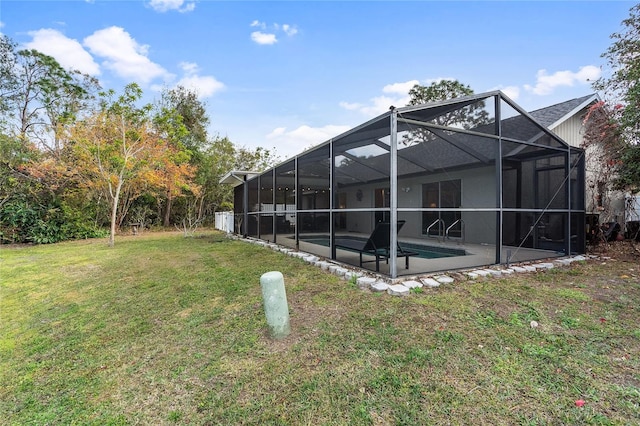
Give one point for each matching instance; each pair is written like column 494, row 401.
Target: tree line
column 612, row 126
column 77, row 160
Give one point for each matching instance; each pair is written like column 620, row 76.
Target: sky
column 288, row 75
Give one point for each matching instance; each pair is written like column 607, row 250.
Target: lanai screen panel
column 238, row 209
column 314, row 197
column 449, row 206
column 478, row 182
column 253, row 206
column 285, row 203
column 361, row 167
column 446, row 204
column 469, row 113
column 577, row 200
column 537, row 186
column 266, row 206
column 534, row 177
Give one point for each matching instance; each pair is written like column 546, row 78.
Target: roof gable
column 554, row 115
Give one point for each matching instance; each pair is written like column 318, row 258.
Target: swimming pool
column 424, row 251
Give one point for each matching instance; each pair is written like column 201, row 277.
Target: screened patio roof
column 480, row 166
column 426, row 142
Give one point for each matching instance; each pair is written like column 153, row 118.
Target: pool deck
column 478, row 255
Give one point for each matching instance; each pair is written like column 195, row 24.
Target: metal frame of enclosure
column 476, row 181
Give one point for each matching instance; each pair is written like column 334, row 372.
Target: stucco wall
column 478, row 191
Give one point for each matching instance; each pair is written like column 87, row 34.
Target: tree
column 38, row 96
column 193, row 115
column 466, row 117
column 16, row 187
column 181, row 119
column 221, row 157
column 38, row 191
column 622, row 85
column 441, row 90
column 258, row 159
column 8, row 79
column 73, row 94
column 629, row 171
column 116, row 146
column 603, row 144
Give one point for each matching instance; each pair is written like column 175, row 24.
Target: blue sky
column 286, row 75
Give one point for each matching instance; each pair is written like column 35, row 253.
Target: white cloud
column 189, row 67
column 290, row 142
column 398, row 96
column 351, row 106
column 270, row 37
column 400, row 88
column 205, row 86
column 513, row 92
column 278, row 131
column 124, row 56
column 289, row 30
column 263, row 38
column 68, row 52
column 316, row 134
column 381, row 104
column 167, row 5
column 546, row 84
column 188, row 8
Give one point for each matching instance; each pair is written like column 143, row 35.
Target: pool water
column 424, row 251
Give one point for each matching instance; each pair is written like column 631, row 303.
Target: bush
column 24, row 222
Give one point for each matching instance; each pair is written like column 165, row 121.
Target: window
column 382, row 200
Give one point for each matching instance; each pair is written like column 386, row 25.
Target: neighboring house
column 566, row 119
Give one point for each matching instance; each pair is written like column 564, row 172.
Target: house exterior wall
column 571, row 130
column 478, row 191
column 612, row 206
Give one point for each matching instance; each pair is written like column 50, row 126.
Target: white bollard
column 275, row 304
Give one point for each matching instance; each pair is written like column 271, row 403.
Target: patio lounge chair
column 378, row 244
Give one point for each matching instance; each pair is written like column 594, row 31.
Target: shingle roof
column 552, row 114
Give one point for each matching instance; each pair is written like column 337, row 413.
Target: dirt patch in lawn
column 626, row 251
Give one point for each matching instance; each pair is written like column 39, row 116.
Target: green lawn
column 163, row 329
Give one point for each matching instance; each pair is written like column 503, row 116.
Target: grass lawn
column 163, row 329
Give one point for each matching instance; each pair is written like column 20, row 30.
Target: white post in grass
column 275, row 304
